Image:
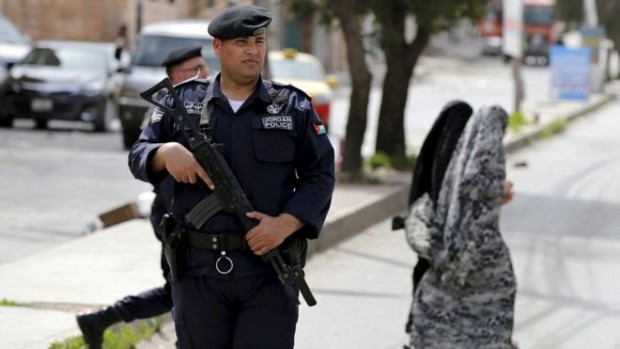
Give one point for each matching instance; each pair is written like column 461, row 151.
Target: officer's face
column 241, row 59
column 193, row 67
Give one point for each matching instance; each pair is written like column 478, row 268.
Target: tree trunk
column 361, row 79
column 390, row 132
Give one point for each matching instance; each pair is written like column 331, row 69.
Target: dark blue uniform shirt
column 275, row 145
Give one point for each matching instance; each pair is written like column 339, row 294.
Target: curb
column 359, row 218
column 524, row 140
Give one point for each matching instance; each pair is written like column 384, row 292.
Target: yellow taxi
column 305, row 72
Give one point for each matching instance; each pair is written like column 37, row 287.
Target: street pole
column 591, row 14
column 139, row 5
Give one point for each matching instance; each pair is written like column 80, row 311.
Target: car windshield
column 67, row 58
column 151, row 50
column 10, row 34
column 538, row 15
column 295, row 69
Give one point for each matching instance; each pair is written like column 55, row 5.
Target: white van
column 13, row 43
column 153, row 44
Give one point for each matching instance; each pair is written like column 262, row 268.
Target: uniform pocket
column 273, row 145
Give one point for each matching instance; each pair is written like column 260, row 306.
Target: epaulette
column 279, row 85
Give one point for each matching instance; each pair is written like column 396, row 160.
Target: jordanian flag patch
column 319, row 128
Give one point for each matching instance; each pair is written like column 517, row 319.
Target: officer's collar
column 214, row 91
column 263, row 92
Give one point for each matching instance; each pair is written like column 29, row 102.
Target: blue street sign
column 570, row 72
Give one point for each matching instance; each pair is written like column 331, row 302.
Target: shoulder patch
column 319, row 128
column 156, row 115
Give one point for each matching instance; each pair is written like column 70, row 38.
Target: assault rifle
column 227, row 194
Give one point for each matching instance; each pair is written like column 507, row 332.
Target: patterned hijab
column 469, row 201
column 437, row 150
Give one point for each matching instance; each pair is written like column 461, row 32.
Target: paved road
column 564, row 232
column 53, row 183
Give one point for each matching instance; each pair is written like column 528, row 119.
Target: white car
column 13, row 43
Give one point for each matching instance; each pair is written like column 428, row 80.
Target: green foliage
column 557, row 126
column 8, row 303
column 516, row 121
column 381, row 159
column 302, row 9
column 123, row 336
column 441, row 14
column 404, row 163
column 569, row 11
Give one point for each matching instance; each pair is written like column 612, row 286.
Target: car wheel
column 530, row 60
column 40, row 124
column 6, row 121
column 104, row 117
column 130, row 135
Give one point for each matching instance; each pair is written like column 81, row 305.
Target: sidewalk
column 100, row 268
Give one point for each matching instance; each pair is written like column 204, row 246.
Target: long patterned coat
column 466, row 299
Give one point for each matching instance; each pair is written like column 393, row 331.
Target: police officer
column 277, row 147
column 181, row 64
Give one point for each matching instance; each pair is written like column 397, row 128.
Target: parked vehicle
column 62, row 80
column 305, row 72
column 539, row 29
column 13, row 43
column 154, row 43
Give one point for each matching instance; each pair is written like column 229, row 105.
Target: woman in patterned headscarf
column 466, row 298
column 431, row 164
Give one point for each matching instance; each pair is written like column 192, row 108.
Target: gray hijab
column 469, row 202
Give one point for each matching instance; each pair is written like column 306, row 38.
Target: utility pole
column 139, row 5
column 591, row 14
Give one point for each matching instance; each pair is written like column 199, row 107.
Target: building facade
column 120, row 20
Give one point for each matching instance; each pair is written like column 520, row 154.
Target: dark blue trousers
column 156, row 301
column 251, row 312
column 147, row 304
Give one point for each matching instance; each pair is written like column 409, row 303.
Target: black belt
column 215, row 242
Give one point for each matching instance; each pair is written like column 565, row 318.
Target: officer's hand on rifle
column 270, row 231
column 180, row 163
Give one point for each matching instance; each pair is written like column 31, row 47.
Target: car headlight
column 129, row 92
column 94, row 88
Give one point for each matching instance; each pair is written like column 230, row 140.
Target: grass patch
column 121, row 336
column 8, row 303
column 516, row 121
column 380, row 159
column 557, row 126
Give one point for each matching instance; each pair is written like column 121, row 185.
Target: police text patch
column 193, row 107
column 279, row 122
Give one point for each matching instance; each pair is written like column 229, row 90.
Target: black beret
column 181, row 55
column 240, row 22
